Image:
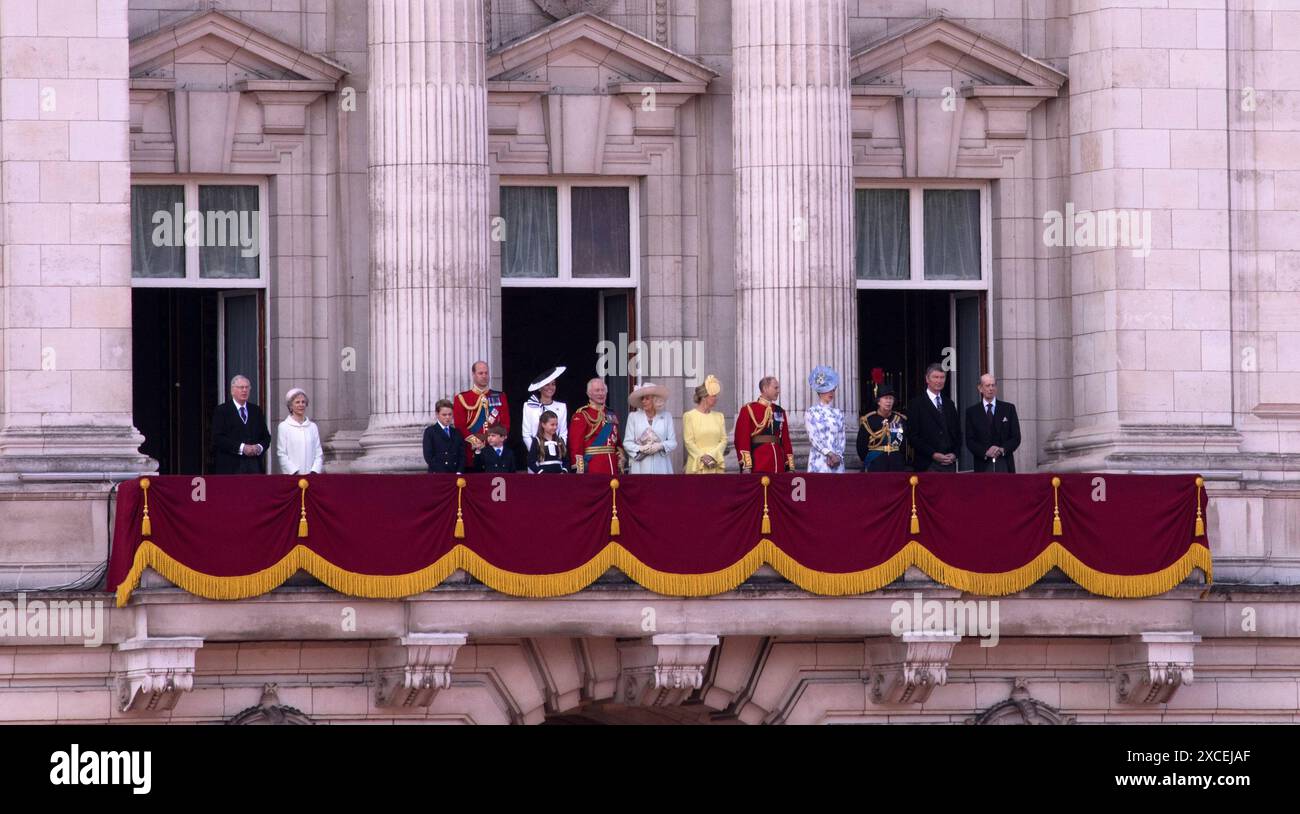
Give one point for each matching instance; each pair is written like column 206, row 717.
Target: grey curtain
column 952, row 234
column 601, row 232
column 232, row 239
column 148, row 259
column 882, row 226
column 531, row 232
column 241, row 346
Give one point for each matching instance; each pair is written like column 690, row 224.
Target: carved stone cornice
column 664, row 670
column 411, row 670
column 907, row 669
column 152, row 673
column 1150, row 667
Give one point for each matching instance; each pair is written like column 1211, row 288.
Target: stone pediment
column 585, row 53
column 940, row 99
column 212, row 51
column 943, row 44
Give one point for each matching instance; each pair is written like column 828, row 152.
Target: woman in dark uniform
column 881, row 442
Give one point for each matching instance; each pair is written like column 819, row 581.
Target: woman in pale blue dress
column 825, row 423
column 649, row 439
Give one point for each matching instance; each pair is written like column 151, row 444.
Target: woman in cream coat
column 297, row 441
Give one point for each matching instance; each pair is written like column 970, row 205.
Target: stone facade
column 766, row 115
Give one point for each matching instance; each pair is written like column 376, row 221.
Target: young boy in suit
column 495, row 457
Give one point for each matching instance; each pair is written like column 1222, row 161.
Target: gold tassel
column 1200, row 519
column 767, row 522
column 1056, row 508
column 613, row 521
column 146, row 527
column 302, row 517
column 916, row 521
column 459, row 533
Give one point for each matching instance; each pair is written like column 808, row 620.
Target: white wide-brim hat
column 546, row 378
column 648, row 389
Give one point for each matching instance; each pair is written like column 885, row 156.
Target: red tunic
column 594, row 442
column 767, row 423
column 473, row 411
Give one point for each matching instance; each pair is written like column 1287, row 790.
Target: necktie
column 988, row 409
column 448, row 431
column 243, row 414
column 938, row 402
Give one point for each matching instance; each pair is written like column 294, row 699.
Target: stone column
column 65, row 285
column 1151, row 318
column 795, row 290
column 429, row 285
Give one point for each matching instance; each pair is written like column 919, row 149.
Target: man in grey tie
column 239, row 433
column 992, row 429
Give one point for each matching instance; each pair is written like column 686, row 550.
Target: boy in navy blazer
column 496, row 456
column 444, row 445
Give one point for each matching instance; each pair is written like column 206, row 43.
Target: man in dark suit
column 934, row 426
column 992, row 429
column 444, row 446
column 239, row 433
column 496, row 456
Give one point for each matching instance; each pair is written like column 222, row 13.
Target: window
column 922, row 236
column 198, row 232
column 579, row 233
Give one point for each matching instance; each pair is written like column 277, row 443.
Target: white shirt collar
column 993, row 401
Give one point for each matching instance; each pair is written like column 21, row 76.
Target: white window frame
column 564, row 225
column 916, row 244
column 191, row 183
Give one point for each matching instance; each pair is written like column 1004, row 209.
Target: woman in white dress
column 649, row 438
column 825, row 423
column 297, row 441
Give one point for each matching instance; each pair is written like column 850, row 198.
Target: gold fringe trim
column 824, row 583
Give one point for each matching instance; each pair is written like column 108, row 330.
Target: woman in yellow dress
column 705, row 431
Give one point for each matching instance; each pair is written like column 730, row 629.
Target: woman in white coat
column 297, row 441
column 650, row 439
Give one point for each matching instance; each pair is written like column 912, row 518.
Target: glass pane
column 231, row 233
column 602, row 244
column 532, row 230
column 882, row 224
column 241, row 334
column 952, row 234
column 157, row 231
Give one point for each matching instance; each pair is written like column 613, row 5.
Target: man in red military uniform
column 593, row 435
column 478, row 408
column 763, row 432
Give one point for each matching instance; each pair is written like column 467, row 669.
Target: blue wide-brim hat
column 823, row 379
